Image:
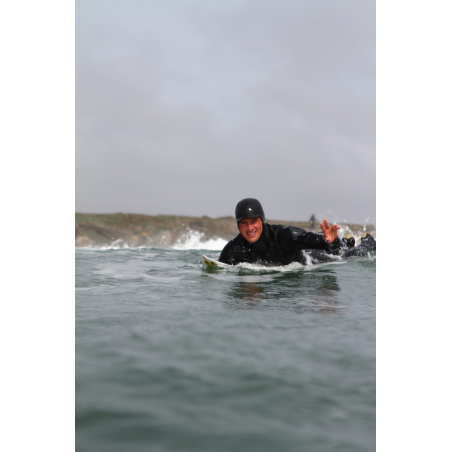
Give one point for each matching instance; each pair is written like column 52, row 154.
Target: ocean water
column 171, row 356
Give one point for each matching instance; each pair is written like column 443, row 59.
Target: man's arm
column 291, row 237
column 227, row 256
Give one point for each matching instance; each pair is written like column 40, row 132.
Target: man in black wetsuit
column 368, row 244
column 273, row 244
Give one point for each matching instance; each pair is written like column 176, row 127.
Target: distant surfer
column 312, row 221
column 273, row 244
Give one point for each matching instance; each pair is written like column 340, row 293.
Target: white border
column 37, row 142
column 413, row 142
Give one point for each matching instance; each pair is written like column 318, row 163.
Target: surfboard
column 212, row 263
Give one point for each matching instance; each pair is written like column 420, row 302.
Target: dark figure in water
column 368, row 244
column 348, row 241
column 318, row 256
column 273, row 244
column 312, row 221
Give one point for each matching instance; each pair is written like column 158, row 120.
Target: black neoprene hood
column 349, row 241
column 249, row 208
column 366, row 237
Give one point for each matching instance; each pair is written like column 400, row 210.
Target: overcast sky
column 186, row 107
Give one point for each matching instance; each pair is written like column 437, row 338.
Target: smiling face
column 251, row 229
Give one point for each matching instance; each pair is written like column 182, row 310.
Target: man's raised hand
column 329, row 232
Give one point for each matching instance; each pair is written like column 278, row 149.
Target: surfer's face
column 251, row 229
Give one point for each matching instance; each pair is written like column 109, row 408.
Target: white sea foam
column 308, row 259
column 116, row 245
column 294, row 266
column 193, row 241
column 106, row 247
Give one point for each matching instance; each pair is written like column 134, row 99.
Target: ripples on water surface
column 173, row 357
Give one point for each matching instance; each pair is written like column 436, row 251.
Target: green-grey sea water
column 174, row 357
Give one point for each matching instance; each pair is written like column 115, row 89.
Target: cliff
column 165, row 230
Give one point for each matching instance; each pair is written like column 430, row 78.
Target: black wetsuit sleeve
column 299, row 239
column 335, row 247
column 227, row 256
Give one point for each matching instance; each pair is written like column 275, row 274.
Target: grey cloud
column 187, row 107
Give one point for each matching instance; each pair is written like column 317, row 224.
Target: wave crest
column 193, row 240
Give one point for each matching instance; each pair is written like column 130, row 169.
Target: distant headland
column 164, row 231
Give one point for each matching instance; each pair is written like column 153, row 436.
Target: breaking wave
column 193, row 240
